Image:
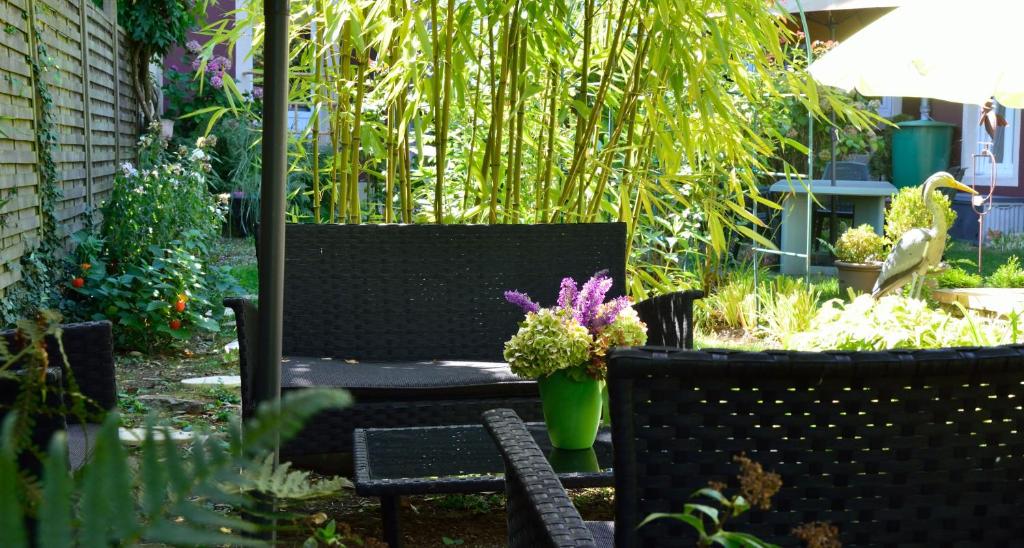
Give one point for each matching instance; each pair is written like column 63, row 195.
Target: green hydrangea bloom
column 547, row 341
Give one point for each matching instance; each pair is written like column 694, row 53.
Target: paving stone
column 224, row 380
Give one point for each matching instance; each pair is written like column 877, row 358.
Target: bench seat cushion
column 428, row 379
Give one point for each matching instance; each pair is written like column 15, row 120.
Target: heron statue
column 919, row 249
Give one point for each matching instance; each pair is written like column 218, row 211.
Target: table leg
column 389, row 518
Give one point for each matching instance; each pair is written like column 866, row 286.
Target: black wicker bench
column 411, row 319
column 89, row 348
column 922, row 448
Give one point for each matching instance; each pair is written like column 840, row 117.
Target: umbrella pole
column 266, row 380
column 810, row 148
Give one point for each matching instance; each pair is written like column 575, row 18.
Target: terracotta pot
column 860, row 276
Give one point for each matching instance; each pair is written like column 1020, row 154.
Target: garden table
column 868, row 198
column 391, row 462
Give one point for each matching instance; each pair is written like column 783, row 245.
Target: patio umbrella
column 964, row 52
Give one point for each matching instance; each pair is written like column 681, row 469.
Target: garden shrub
column 147, row 270
column 907, row 211
column 955, row 277
column 860, row 245
column 896, row 322
column 1009, row 274
column 788, row 305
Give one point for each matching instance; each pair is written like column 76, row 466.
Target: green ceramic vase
column 572, row 410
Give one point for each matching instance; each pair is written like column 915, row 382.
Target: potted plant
column 859, row 253
column 564, row 348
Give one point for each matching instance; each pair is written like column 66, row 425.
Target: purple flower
column 196, row 62
column 521, row 300
column 193, row 46
column 567, row 295
column 213, row 65
column 257, row 92
column 609, row 311
column 590, row 299
column 217, row 82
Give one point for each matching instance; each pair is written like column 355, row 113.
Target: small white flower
column 129, row 170
column 197, row 155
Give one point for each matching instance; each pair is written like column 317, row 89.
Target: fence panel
column 94, row 114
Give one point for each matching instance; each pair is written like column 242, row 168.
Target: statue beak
column 962, row 187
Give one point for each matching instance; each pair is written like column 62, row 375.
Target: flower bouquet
column 564, row 347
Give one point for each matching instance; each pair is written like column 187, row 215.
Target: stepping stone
column 223, row 380
column 135, row 436
column 176, row 405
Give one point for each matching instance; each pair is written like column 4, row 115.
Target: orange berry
column 86, row 266
column 78, row 282
column 179, row 306
column 175, row 324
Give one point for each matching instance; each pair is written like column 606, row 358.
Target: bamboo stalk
column 550, row 156
column 579, row 158
column 435, row 106
column 338, row 207
column 317, row 98
column 498, row 111
column 513, row 127
column 355, row 213
column 517, row 157
column 470, row 157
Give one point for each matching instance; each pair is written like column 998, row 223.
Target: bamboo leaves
column 505, row 111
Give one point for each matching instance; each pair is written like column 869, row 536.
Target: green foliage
column 955, row 277
column 1009, row 274
column 547, row 341
column 142, row 300
column 907, row 211
column 158, row 24
column 165, row 198
column 788, row 306
column 149, row 272
column 896, row 322
column 789, row 117
column 860, row 245
column 498, row 112
column 709, row 519
column 176, row 494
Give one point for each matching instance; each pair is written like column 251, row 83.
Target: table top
column 461, row 459
column 842, row 187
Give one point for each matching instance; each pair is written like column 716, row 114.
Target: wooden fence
column 94, row 114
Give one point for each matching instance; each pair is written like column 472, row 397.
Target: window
column 1005, row 146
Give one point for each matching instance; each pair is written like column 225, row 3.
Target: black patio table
column 391, row 462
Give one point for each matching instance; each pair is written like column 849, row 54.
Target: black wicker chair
column 908, row 448
column 89, row 349
column 411, row 319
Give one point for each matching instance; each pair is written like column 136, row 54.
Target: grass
column 991, row 259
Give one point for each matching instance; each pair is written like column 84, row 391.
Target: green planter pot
column 572, row 410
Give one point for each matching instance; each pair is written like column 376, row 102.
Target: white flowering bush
column 147, row 270
column 897, row 322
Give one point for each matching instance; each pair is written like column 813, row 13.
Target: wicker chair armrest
column 247, row 326
column 89, row 348
column 669, row 318
column 540, row 512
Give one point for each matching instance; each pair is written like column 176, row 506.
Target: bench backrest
column 922, row 448
column 422, row 292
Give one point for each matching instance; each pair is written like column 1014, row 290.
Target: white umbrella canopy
column 794, row 6
column 964, row 52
